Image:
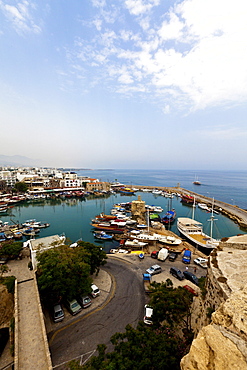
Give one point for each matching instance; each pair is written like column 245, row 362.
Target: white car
column 95, row 292
column 153, row 270
column 148, row 313
column 201, row 262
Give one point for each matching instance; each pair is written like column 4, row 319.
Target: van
column 174, row 271
column 163, row 254
column 95, row 292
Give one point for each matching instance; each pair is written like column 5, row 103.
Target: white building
column 42, row 244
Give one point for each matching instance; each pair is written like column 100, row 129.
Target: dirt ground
column 6, row 306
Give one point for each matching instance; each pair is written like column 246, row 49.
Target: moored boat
column 193, row 231
column 188, row 199
column 102, row 235
column 117, row 227
column 169, row 217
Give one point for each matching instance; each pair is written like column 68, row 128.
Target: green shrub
column 9, row 281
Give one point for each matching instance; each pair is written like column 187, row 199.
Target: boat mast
column 212, row 219
column 193, row 208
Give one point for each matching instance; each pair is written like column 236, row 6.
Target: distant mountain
column 18, row 161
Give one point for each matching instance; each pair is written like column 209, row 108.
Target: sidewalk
column 31, row 348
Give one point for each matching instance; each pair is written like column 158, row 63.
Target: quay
column 236, row 214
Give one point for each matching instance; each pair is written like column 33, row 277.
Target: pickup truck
column 147, row 278
column 186, row 256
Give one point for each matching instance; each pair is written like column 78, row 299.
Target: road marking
column 111, row 295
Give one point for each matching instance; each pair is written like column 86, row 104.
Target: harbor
column 72, row 216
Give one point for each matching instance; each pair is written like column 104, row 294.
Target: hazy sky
column 125, row 83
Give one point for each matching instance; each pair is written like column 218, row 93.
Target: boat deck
column 200, row 238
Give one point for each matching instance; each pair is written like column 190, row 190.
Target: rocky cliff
column 222, row 344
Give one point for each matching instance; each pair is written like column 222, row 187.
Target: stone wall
column 220, row 341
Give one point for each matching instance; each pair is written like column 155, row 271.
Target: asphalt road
column 126, row 307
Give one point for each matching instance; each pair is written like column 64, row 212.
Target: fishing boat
column 127, row 191
column 112, row 227
column 102, row 235
column 186, row 198
column 169, row 217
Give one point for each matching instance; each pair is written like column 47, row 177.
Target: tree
column 65, row 272
column 21, row 187
column 93, row 255
column 172, row 305
column 141, row 349
column 11, row 249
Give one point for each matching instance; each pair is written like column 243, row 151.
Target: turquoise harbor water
column 72, row 216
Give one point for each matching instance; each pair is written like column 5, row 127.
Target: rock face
column 213, row 350
column 222, row 345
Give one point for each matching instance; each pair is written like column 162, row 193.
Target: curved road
column 125, row 307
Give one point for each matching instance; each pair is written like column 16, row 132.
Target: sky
column 153, row 84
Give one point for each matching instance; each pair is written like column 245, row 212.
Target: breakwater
column 236, row 214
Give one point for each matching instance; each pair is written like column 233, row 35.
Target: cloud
column 191, row 55
column 138, row 7
column 20, row 16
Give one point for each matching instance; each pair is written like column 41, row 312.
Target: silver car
column 153, row 270
column 58, row 314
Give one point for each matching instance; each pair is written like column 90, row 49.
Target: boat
column 204, row 207
column 135, row 243
column 157, row 192
column 146, row 237
column 169, row 217
column 30, row 231
column 35, row 224
column 196, row 181
column 193, row 231
column 167, row 239
column 115, row 228
column 188, row 199
column 102, row 235
column 3, row 209
column 119, row 251
column 127, row 191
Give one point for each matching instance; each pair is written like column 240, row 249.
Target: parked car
column 95, row 292
column 148, row 313
column 153, row 270
column 73, row 306
column 186, row 256
column 191, row 290
column 155, row 254
column 174, row 271
column 172, row 256
column 85, row 301
column 58, row 314
column 191, row 277
column 203, row 262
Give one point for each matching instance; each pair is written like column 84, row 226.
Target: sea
column 72, row 217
